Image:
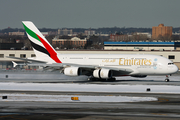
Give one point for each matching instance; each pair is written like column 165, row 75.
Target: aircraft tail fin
column 39, row 43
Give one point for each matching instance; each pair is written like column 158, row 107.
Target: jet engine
column 72, row 71
column 102, row 73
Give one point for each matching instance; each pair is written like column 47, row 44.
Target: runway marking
column 163, row 100
column 80, row 98
column 159, row 114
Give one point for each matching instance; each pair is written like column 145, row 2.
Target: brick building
column 118, row 37
column 161, row 31
column 74, row 42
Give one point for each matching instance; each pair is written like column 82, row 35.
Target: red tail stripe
column 51, row 51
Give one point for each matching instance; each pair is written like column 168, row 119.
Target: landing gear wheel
column 112, row 79
column 167, row 80
column 92, row 79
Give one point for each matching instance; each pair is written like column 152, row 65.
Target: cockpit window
column 170, row 63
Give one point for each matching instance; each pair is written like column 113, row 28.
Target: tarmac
column 166, row 106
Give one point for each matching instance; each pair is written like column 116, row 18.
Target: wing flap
column 92, row 67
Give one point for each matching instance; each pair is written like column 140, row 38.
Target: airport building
column 7, row 62
column 151, row 46
column 11, row 46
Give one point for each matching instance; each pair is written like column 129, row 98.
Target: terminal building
column 142, row 46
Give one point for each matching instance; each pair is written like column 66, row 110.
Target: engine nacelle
column 102, row 73
column 72, row 71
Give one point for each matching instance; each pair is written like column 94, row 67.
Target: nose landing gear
column 167, row 78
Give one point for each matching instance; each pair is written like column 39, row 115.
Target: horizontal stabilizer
column 14, row 64
column 25, row 59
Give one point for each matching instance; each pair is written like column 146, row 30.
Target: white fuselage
column 140, row 64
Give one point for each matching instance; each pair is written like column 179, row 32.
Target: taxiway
column 24, row 98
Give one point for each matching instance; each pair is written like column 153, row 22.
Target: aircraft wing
column 95, row 67
column 89, row 68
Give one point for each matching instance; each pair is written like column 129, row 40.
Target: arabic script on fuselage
column 109, row 60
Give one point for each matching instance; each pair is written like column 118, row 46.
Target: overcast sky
column 89, row 13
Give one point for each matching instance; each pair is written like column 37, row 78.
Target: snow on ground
column 150, row 78
column 69, row 87
column 67, row 98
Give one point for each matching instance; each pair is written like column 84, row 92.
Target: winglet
column 14, row 64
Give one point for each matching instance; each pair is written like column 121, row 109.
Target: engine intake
column 72, row 71
column 102, row 73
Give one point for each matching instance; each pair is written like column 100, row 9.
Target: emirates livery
column 96, row 66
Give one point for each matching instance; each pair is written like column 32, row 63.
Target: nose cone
column 175, row 69
column 172, row 69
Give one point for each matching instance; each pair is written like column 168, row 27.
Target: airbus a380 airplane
column 99, row 66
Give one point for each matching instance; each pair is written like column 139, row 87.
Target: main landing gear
column 167, row 78
column 92, row 79
column 99, row 79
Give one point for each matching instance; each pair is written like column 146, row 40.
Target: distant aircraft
column 96, row 66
